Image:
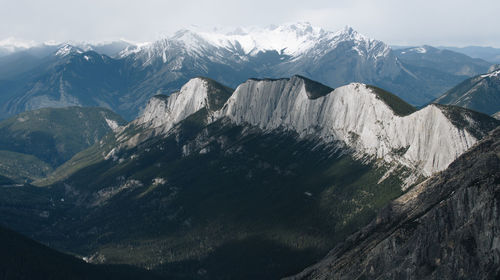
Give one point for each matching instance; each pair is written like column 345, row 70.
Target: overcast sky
column 396, row 22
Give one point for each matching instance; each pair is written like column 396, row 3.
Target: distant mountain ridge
column 480, row 93
column 125, row 82
column 444, row 60
column 487, row 53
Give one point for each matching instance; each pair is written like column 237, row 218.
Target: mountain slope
column 80, row 75
column 487, row 53
column 23, row 167
column 285, row 169
column 22, row 258
column 443, row 60
column 258, row 198
column 480, row 93
column 68, row 77
column 357, row 116
column 333, row 58
column 444, row 228
column 34, row 142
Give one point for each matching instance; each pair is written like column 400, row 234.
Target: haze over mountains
column 58, row 75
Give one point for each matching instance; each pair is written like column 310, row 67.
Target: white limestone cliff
column 353, row 116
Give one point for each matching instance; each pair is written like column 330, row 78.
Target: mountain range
column 249, row 154
column 78, row 75
column 486, row 53
column 255, row 182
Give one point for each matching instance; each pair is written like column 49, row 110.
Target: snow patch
column 491, row 74
column 112, row 124
column 294, row 39
column 66, row 50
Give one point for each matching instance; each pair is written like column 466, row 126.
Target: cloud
column 442, row 22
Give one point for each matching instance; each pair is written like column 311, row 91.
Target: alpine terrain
column 444, row 228
column 83, row 74
column 480, row 93
column 252, row 183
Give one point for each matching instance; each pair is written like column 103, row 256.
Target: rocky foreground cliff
column 446, row 228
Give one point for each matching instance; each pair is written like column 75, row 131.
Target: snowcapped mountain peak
column 67, row 49
column 299, row 28
column 363, row 45
column 289, row 39
column 348, row 30
column 292, row 39
column 293, row 42
column 348, row 33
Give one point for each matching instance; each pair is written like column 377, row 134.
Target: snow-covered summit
column 67, row 49
column 293, row 40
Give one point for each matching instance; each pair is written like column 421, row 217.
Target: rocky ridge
column 355, row 116
column 444, row 228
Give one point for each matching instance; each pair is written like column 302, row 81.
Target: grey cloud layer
column 446, row 22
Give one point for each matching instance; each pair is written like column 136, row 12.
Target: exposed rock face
column 364, row 119
column 446, row 228
column 198, row 93
column 167, row 111
column 496, row 115
column 355, row 115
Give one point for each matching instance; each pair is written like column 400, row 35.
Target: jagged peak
column 67, row 49
column 348, row 30
column 291, row 39
column 350, row 33
column 200, row 92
